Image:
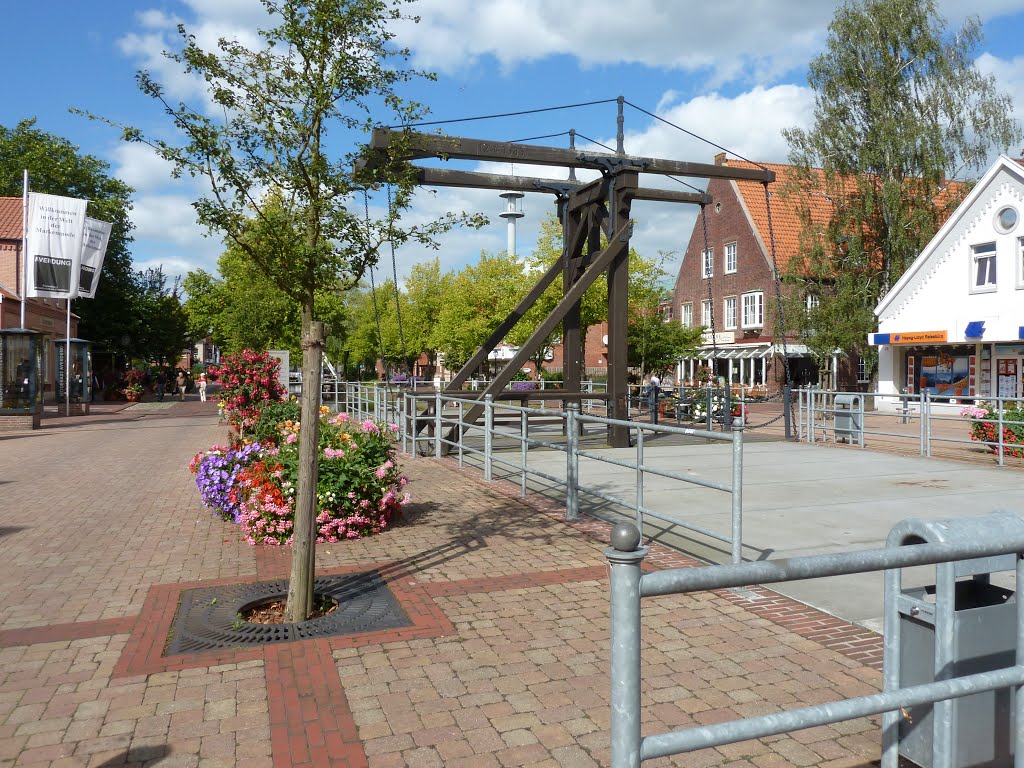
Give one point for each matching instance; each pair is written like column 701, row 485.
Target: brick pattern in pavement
column 506, row 664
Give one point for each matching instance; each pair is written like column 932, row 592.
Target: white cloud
column 141, row 168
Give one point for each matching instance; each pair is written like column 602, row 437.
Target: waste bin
column 961, row 625
column 849, row 413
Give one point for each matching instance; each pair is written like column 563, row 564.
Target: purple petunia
column 216, row 476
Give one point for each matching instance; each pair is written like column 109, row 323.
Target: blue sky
column 733, row 71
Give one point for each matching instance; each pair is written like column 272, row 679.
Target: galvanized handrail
column 573, row 421
column 817, row 411
column 629, row 585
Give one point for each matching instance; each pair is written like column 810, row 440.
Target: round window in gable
column 1006, row 219
column 718, row 207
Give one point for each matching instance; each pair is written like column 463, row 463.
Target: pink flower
column 291, row 438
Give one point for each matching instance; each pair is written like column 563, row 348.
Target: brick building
column 728, row 285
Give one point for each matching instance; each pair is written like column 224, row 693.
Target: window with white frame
column 686, row 315
column 730, row 258
column 862, row 369
column 811, row 302
column 983, row 267
column 666, row 313
column 705, row 313
column 753, row 310
column 730, row 312
column 709, row 262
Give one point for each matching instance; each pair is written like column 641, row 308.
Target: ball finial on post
column 625, row 537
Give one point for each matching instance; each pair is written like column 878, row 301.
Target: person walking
column 202, row 387
column 181, row 382
column 161, row 385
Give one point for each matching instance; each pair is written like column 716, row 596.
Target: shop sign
column 914, row 337
column 722, row 337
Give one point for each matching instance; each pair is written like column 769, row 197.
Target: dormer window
column 983, row 268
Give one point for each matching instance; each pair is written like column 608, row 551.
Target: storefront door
column 1008, row 371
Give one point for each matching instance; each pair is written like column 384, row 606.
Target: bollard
column 572, row 463
column 625, row 557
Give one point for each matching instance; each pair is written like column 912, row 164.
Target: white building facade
column 953, row 325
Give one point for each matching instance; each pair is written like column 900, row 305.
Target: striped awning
column 752, row 351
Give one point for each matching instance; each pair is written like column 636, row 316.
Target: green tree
column 593, row 303
column 161, row 329
column 653, row 344
column 56, row 167
column 247, row 310
column 900, row 108
column 323, row 66
column 474, row 301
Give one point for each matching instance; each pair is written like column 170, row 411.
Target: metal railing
column 931, row 422
column 435, row 424
column 628, row 585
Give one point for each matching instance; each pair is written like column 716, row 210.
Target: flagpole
column 24, row 250
column 67, row 363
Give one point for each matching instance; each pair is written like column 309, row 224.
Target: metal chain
column 778, row 293
column 711, row 298
column 394, row 275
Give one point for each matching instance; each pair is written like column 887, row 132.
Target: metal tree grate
column 208, row 618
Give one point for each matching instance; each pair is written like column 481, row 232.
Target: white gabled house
column 953, row 325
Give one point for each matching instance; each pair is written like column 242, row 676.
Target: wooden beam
column 421, row 145
column 443, row 177
column 615, row 248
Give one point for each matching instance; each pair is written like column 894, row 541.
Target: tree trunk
column 300, row 585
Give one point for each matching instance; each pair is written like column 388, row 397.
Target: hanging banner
column 94, row 248
column 54, row 245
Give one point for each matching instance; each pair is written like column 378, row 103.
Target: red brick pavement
column 505, row 663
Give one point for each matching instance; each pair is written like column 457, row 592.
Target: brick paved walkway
column 505, row 663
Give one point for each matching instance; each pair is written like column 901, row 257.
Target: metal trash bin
column 958, row 626
column 849, row 413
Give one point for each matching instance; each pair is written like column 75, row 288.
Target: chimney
column 720, row 158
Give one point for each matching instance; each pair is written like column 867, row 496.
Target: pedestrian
column 161, row 385
column 655, row 386
column 202, row 387
column 181, row 382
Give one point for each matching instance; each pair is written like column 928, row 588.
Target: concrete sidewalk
column 504, row 662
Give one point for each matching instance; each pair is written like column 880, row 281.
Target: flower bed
column 254, row 482
column 985, row 428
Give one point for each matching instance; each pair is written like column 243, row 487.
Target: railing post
column 737, row 489
column 928, row 425
column 999, row 439
column 524, row 446
column 624, row 558
column 488, row 434
column 787, row 417
column 710, row 405
column 402, row 420
column 437, row 424
column 572, row 463
column 462, row 431
column 639, row 478
column 1018, row 702
column 921, row 396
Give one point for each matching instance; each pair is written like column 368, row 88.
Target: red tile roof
column 10, row 218
column 786, row 224
column 786, row 202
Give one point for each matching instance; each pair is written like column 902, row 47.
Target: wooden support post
column 571, row 363
column 618, row 309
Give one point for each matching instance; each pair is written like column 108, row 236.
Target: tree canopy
column 269, row 141
column 900, row 109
